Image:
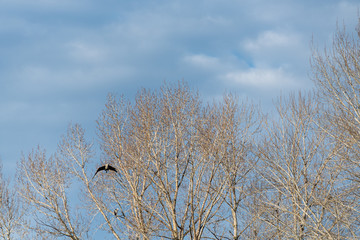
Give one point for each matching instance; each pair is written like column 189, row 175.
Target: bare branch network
column 174, row 167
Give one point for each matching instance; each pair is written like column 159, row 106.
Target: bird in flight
column 106, row 167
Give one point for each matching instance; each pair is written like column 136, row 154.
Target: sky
column 60, row 59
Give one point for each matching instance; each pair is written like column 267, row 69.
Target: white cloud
column 272, row 39
column 261, row 78
column 279, row 49
column 202, row 61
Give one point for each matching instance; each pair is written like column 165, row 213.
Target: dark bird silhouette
column 116, row 212
column 106, row 167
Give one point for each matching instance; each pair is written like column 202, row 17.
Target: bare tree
column 45, row 186
column 75, row 155
column 236, row 125
column 12, row 211
column 336, row 73
column 302, row 166
column 171, row 153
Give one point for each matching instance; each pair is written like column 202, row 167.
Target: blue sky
column 60, row 59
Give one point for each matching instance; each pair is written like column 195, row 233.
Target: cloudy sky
column 60, row 59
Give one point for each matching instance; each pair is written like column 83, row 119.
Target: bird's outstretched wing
column 99, row 169
column 112, row 168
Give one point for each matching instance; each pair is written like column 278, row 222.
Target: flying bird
column 106, row 167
